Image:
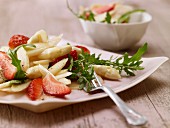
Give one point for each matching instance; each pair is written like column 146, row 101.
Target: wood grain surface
column 150, row 97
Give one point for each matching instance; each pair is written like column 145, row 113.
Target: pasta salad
column 38, row 66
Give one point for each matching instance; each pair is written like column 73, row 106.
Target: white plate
column 77, row 96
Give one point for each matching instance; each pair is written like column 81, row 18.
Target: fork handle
column 131, row 116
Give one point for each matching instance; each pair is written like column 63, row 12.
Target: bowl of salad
column 112, row 26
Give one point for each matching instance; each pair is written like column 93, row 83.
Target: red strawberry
column 87, row 14
column 54, row 88
column 34, row 90
column 58, row 59
column 83, row 48
column 103, row 9
column 17, row 40
column 72, row 53
column 8, row 69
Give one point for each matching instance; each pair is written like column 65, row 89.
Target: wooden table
column 151, row 97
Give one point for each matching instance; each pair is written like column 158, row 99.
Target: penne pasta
column 20, row 87
column 31, row 64
column 43, row 71
column 77, row 49
column 50, row 53
column 42, row 45
column 63, row 75
column 4, row 48
column 5, row 85
column 35, row 52
column 41, row 62
column 107, row 72
column 9, row 83
column 40, row 36
column 33, row 72
column 55, row 52
column 15, row 87
column 65, row 50
column 58, row 66
column 74, row 85
column 8, row 89
column 22, row 55
column 45, row 65
column 65, row 81
column 55, row 40
column 62, row 71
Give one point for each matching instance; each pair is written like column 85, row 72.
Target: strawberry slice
column 17, row 40
column 8, row 69
column 54, row 88
column 72, row 54
column 34, row 90
column 103, row 9
column 83, row 48
column 58, row 59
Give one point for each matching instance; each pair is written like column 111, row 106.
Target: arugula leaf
column 24, row 46
column 108, row 18
column 70, row 58
column 82, row 69
column 139, row 53
column 87, row 15
column 125, row 17
column 16, row 62
column 131, row 64
column 20, row 75
column 91, row 16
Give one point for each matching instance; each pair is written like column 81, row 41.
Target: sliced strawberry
column 58, row 59
column 54, row 88
column 17, row 40
column 34, row 90
column 83, row 48
column 103, row 9
column 72, row 53
column 87, row 14
column 8, row 69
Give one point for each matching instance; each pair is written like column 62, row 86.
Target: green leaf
column 91, row 16
column 131, row 64
column 108, row 18
column 16, row 62
column 82, row 16
column 87, row 15
column 20, row 74
column 71, row 62
column 125, row 17
column 84, row 72
column 139, row 53
column 25, row 46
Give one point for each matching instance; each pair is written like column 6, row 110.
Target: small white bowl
column 116, row 37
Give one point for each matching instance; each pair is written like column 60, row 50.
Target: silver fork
column 131, row 116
